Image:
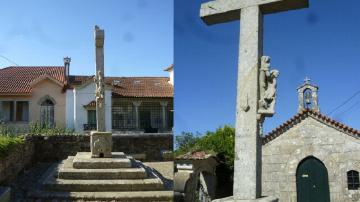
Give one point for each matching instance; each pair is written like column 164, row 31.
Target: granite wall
column 18, row 158
column 55, row 148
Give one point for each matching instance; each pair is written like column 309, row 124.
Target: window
column 308, row 99
column 22, row 111
column 353, row 180
column 47, row 113
column 91, row 116
column 15, row 111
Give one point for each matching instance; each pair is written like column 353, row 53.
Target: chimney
column 170, row 69
column 67, row 61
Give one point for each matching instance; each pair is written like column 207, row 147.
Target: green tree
column 221, row 142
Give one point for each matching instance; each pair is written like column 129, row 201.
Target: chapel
column 311, row 157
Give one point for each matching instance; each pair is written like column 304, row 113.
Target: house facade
column 50, row 96
column 32, row 94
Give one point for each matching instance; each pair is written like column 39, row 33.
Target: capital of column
column 164, row 103
column 136, row 103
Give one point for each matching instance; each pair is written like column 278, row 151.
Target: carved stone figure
column 99, row 89
column 267, row 82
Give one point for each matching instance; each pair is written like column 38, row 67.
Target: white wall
column 81, row 96
column 69, row 114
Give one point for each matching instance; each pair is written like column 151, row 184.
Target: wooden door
column 312, row 181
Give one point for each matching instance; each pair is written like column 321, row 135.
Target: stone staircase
column 120, row 178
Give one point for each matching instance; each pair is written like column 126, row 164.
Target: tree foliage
column 221, row 142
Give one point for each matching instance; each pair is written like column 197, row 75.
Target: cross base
column 100, row 144
column 262, row 199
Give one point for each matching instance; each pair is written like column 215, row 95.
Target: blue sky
column 321, row 42
column 138, row 34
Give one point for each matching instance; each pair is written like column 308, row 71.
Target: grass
column 7, row 143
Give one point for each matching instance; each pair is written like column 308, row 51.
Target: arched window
column 353, row 180
column 47, row 113
column 308, row 99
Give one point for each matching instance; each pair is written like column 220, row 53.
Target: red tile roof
column 79, row 79
column 17, row 80
column 141, row 87
column 91, row 104
column 305, row 114
column 196, row 155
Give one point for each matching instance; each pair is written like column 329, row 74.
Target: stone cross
column 247, row 165
column 100, row 140
column 99, row 79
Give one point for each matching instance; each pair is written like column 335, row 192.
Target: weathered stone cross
column 100, row 140
column 99, row 79
column 247, row 165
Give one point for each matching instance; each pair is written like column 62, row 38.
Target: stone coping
column 262, row 199
column 114, row 134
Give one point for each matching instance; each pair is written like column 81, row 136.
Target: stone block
column 83, row 160
column 100, row 144
column 67, row 171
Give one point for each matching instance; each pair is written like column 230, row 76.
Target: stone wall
column 55, row 148
column 18, row 158
column 339, row 153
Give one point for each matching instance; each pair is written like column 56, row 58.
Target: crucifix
column 247, row 165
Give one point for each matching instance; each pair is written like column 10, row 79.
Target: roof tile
column 301, row 116
column 17, row 80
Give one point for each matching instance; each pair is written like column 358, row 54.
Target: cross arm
column 219, row 11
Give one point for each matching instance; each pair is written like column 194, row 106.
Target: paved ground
column 28, row 180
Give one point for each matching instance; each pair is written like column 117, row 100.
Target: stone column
column 1, row 111
column 163, row 109
column 100, row 91
column 14, row 110
column 247, row 165
column 137, row 121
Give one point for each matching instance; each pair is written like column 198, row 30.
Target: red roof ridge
column 297, row 118
column 34, row 66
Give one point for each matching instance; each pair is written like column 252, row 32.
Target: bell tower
column 308, row 96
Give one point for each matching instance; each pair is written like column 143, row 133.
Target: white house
column 133, row 104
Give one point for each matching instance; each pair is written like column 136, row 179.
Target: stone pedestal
column 100, row 144
column 262, row 199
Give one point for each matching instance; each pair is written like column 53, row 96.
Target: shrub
column 38, row 129
column 7, row 143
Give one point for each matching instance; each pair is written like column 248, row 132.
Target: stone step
column 149, row 184
column 92, row 174
column 67, row 171
column 83, row 160
column 104, row 196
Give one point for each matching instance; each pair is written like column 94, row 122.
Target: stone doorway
column 312, row 182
